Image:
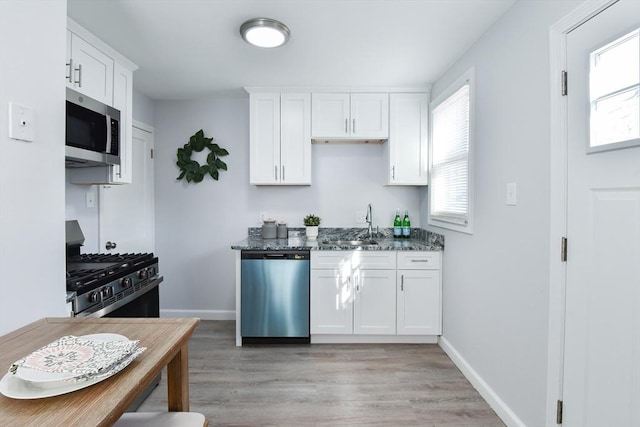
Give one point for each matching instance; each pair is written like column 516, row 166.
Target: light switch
column 511, row 194
column 21, row 122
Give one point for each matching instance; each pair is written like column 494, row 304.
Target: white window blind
column 449, row 200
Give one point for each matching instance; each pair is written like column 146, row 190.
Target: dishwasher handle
column 292, row 255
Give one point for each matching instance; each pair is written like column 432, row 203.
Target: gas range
column 101, row 280
column 103, row 283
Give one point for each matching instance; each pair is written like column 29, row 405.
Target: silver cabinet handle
column 353, row 128
column 79, row 70
column 275, row 172
column 346, row 125
column 110, row 245
column 419, row 260
column 402, row 282
column 393, row 172
column 282, row 173
column 69, row 76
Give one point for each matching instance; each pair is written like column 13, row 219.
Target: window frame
column 468, row 77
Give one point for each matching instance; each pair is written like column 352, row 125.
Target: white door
column 126, row 210
column 601, row 384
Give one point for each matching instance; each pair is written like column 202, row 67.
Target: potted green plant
column 311, row 223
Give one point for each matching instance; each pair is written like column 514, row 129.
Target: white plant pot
column 312, row 231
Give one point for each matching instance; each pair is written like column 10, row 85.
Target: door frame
column 558, row 197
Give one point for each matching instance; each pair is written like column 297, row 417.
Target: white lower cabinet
column 375, row 293
column 374, row 311
column 331, row 302
column 419, row 293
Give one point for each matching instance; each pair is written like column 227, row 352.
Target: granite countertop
column 421, row 240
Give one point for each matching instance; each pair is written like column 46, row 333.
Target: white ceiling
column 192, row 48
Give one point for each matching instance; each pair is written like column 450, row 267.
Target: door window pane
column 614, row 91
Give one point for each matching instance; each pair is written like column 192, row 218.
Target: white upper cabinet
column 280, row 138
column 356, row 116
column 96, row 70
column 89, row 71
column 406, row 149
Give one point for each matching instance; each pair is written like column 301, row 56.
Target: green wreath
column 191, row 169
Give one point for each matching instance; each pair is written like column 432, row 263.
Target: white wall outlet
column 361, row 217
column 90, row 197
column 21, row 122
column 512, row 199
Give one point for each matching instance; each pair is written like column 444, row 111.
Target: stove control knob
column 107, row 292
column 142, row 274
column 125, row 282
column 151, row 271
column 94, row 296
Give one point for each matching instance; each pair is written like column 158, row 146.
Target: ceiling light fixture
column 265, row 32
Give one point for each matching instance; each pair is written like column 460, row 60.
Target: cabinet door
column 92, row 71
column 264, row 138
column 331, row 302
column 330, row 115
column 419, row 302
column 123, row 101
column 370, row 115
column 295, row 138
column 374, row 307
column 407, row 146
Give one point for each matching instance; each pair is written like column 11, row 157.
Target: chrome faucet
column 369, row 220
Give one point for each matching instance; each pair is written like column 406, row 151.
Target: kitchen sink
column 350, row 242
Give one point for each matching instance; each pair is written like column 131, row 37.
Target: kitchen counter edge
column 258, row 243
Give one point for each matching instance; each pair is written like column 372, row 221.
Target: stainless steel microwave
column 92, row 132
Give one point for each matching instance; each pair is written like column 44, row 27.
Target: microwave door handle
column 108, row 147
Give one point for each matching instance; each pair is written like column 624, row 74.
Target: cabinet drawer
column 373, row 260
column 409, row 260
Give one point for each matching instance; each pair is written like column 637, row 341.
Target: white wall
column 32, row 257
column 144, row 109
column 88, row 217
column 197, row 223
column 496, row 281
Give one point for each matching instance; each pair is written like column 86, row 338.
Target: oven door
column 144, row 303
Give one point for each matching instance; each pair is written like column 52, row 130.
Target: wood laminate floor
column 324, row 384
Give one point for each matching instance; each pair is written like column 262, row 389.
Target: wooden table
column 103, row 403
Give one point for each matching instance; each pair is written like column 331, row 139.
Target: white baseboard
column 201, row 314
column 487, row 393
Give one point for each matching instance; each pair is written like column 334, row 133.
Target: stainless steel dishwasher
column 274, row 296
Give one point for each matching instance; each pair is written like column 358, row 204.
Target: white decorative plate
column 14, row 387
column 43, row 377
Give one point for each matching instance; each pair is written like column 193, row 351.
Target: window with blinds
column 450, row 201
